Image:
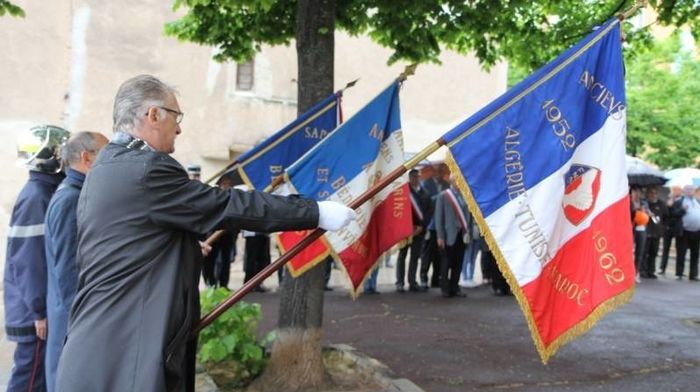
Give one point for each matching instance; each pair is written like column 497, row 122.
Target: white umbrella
column 683, row 176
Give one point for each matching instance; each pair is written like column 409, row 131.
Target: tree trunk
column 296, row 363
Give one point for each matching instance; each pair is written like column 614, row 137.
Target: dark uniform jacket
column 138, row 221
column 62, row 270
column 657, row 224
column 24, row 281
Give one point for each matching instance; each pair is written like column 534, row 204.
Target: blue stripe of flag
column 269, row 158
column 567, row 89
column 344, row 153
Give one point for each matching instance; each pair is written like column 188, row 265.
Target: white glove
column 334, row 216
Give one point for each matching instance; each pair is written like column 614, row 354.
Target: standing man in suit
column 430, row 256
column 452, row 227
column 674, row 225
column 420, row 203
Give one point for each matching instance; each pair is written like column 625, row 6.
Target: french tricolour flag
column 543, row 170
column 348, row 162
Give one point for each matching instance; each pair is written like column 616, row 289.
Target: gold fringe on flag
column 579, row 328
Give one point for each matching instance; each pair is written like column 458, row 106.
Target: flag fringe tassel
column 583, row 326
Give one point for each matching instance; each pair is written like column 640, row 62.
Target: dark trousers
column 222, row 271
column 498, row 281
column 652, row 245
column 451, row 267
column 668, row 237
column 415, row 247
column 256, row 256
column 208, row 274
column 690, row 240
column 430, row 257
column 28, row 368
column 640, row 238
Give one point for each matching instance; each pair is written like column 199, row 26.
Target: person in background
column 473, row 248
column 61, row 243
column 690, row 240
column 430, row 255
column 256, row 255
column 420, row 204
column 640, row 217
column 194, row 172
column 452, row 228
column 370, row 286
column 223, row 251
column 674, row 225
column 24, row 281
column 656, row 227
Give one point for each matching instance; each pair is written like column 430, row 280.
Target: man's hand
column 441, row 243
column 334, row 216
column 40, row 326
column 206, row 248
column 417, row 230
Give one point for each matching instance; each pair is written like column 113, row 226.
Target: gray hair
column 134, row 97
column 79, row 142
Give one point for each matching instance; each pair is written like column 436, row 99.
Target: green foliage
column 8, row 8
column 231, row 337
column 526, row 33
column 663, row 84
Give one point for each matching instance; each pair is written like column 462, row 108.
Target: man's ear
column 86, row 158
column 153, row 114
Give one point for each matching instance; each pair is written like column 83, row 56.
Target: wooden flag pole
column 632, row 10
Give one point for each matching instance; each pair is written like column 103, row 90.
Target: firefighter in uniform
column 25, row 264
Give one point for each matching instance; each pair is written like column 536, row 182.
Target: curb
column 352, row 361
column 203, row 381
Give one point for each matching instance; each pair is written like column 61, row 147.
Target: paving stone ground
column 482, row 342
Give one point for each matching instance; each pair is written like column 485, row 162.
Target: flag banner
column 346, row 164
column 543, row 171
column 263, row 163
column 267, row 160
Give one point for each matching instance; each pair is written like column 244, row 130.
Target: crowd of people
column 443, row 248
column 658, row 223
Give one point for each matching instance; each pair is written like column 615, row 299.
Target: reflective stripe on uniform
column 26, row 231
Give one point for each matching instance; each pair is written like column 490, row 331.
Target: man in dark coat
column 61, row 242
column 139, row 217
column 452, row 226
column 25, row 265
column 655, row 230
column 674, row 225
column 430, row 255
column 420, row 205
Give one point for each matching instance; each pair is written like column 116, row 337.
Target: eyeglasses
column 178, row 115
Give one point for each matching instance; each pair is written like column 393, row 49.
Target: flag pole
column 233, row 163
column 632, row 10
column 282, row 260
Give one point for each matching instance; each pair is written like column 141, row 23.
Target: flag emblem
column 582, row 184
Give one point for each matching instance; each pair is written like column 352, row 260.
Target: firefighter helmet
column 38, row 148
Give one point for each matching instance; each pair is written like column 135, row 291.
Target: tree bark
column 296, row 363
